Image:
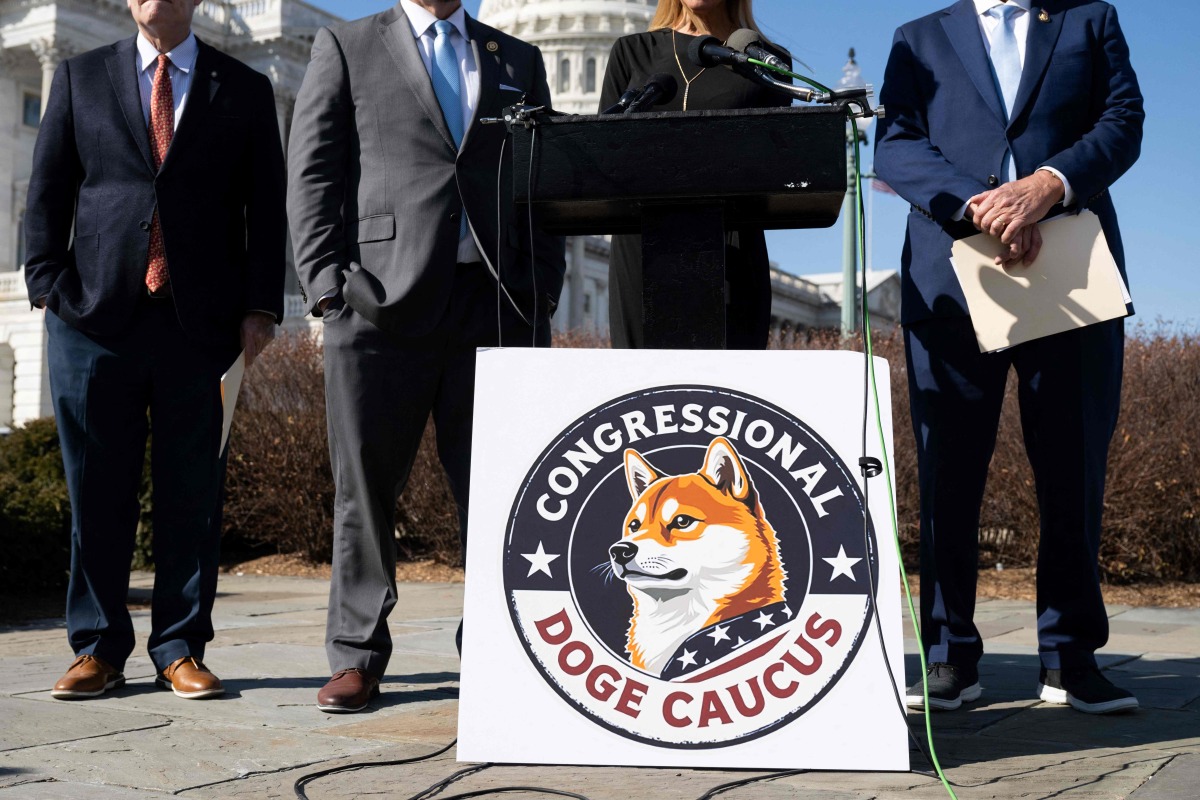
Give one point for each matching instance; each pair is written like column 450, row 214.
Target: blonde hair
column 675, row 15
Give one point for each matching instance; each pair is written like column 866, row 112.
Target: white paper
column 530, row 401
column 231, row 384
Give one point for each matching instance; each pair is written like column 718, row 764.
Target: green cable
column 887, row 471
column 790, row 74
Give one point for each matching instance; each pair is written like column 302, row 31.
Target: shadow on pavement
column 1009, row 721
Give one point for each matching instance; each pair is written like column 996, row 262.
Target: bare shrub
column 279, row 485
column 426, row 516
column 1151, row 522
column 1151, row 527
column 280, row 491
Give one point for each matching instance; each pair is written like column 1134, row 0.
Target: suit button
column 993, row 181
column 144, row 225
column 454, row 216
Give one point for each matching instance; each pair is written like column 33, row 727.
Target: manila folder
column 231, row 383
column 1074, row 282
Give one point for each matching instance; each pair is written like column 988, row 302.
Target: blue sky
column 1154, row 200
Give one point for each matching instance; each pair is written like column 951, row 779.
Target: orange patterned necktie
column 162, row 128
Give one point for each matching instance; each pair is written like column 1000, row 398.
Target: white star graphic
column 740, row 642
column 764, row 620
column 688, row 659
column 539, row 561
column 842, row 565
column 719, row 633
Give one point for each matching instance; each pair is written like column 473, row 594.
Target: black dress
column 634, row 59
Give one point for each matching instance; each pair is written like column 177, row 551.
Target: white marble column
column 50, row 53
column 578, row 265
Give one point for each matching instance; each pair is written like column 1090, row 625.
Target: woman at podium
column 664, row 49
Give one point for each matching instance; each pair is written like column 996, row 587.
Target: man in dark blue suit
column 156, row 241
column 1000, row 115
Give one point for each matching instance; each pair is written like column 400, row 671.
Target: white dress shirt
column 987, row 27
column 988, row 24
column 183, row 61
column 422, row 26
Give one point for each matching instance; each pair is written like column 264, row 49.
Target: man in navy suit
column 1001, row 114
column 156, row 241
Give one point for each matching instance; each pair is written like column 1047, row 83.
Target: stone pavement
column 260, row 737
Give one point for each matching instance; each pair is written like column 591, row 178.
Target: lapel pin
column 492, row 47
column 214, row 74
column 1044, row 16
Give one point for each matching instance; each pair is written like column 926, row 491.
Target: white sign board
column 668, row 564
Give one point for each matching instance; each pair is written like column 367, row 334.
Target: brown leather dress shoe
column 188, row 678
column 349, row 690
column 88, row 676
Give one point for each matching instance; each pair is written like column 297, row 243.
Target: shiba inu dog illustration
column 696, row 550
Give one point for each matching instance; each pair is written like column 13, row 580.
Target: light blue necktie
column 1006, row 64
column 447, row 85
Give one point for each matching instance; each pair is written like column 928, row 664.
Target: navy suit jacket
column 219, row 194
column 1078, row 109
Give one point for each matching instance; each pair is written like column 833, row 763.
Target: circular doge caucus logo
column 686, row 566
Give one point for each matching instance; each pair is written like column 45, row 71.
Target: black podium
column 680, row 179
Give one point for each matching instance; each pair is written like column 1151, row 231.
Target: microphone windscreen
column 741, row 39
column 668, row 87
column 696, row 52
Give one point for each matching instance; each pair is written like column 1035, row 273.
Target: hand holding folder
column 231, row 383
column 1074, row 282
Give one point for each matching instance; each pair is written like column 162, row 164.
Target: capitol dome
column 575, row 37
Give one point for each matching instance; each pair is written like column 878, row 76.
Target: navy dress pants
column 109, row 393
column 1069, row 388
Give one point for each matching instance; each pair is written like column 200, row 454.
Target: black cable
column 304, row 780
column 499, row 239
column 532, row 244
column 725, row 787
column 507, row 789
column 436, row 788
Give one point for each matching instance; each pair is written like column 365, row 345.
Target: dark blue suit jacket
column 1078, row 109
column 219, row 194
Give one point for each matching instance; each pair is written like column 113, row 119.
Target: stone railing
column 294, row 306
column 12, row 286
column 794, row 283
column 239, row 17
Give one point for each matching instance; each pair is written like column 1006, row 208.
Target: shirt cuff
column 962, row 212
column 1068, row 194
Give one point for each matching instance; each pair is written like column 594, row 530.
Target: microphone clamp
column 519, row 115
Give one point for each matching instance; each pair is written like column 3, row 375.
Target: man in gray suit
column 409, row 248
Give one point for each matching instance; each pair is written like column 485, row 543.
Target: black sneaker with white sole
column 1084, row 689
column 949, row 687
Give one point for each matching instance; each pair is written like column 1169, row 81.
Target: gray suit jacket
column 376, row 186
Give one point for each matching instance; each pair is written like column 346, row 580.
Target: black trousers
column 380, row 390
column 747, row 284
column 108, row 394
column 1069, row 386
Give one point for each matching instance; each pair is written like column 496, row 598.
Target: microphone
column 623, row 103
column 707, row 51
column 660, row 89
column 750, row 43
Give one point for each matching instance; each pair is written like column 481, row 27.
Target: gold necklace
column 687, row 82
